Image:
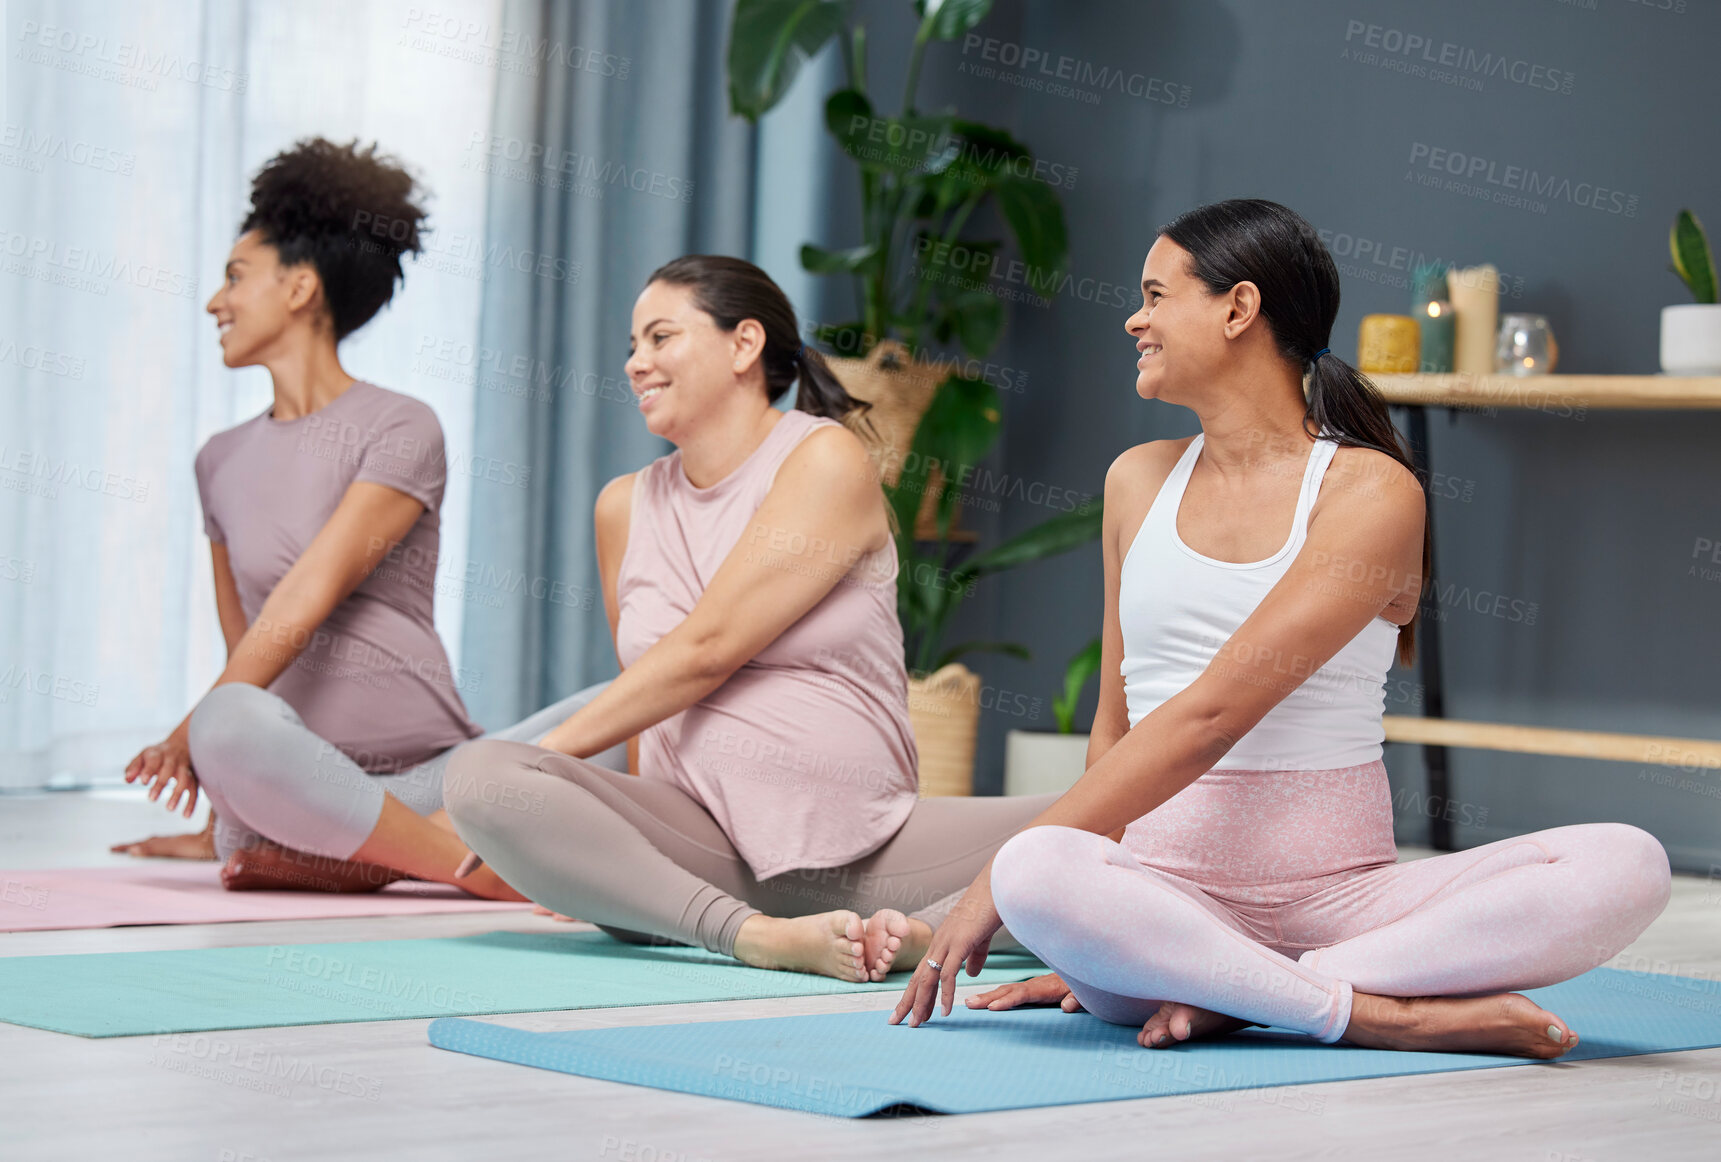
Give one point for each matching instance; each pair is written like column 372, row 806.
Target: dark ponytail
column 1253, row 240
column 732, row 289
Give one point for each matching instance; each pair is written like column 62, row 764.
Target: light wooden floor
column 388, row 1095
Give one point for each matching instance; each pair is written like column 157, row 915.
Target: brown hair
column 732, row 289
column 1253, row 240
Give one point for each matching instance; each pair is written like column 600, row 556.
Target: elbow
column 712, row 656
column 1213, row 729
column 303, row 604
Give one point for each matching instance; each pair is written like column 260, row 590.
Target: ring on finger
column 934, row 965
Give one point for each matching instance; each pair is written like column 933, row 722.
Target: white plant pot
column 1037, row 762
column 1691, row 339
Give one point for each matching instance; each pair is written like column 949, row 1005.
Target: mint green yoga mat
column 129, row 994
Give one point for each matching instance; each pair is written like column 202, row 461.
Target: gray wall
column 1591, row 519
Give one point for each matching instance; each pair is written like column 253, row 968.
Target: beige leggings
column 645, row 862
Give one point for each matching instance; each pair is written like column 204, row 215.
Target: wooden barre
column 1586, row 744
column 1560, row 394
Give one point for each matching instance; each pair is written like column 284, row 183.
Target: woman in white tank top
column 1227, row 858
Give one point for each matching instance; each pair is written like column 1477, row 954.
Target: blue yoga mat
column 128, row 994
column 855, row 1064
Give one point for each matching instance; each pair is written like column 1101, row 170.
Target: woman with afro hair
column 322, row 743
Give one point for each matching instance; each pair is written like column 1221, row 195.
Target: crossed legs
column 1518, row 913
column 645, row 861
column 293, row 811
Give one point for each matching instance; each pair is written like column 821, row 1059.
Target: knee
column 1638, row 869
column 483, row 783
column 1028, row 873
column 225, row 725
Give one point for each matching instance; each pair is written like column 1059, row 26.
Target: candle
column 1436, row 320
column 1475, row 295
column 1387, row 344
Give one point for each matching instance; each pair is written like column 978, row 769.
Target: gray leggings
column 646, row 862
column 267, row 775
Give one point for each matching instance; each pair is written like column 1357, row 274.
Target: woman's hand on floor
column 167, row 762
column 1040, row 990
column 964, row 937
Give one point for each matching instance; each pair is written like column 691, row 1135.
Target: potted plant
column 1691, row 332
column 944, row 695
column 919, row 277
column 1038, row 761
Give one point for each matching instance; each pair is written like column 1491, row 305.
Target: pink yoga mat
column 160, row 892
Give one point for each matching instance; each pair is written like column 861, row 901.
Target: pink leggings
column 1271, row 895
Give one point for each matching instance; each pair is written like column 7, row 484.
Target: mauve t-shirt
column 373, row 679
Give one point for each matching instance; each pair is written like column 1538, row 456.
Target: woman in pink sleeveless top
column 750, row 582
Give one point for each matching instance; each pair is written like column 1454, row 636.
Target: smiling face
column 682, row 365
column 258, row 299
column 1182, row 330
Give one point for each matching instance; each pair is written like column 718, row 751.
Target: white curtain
column 131, row 132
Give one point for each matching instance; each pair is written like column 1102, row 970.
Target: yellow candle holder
column 1388, row 344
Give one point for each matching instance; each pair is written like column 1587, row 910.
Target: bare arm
column 822, row 513
column 610, row 519
column 1131, row 484
column 1301, row 623
column 369, row 521
column 227, row 607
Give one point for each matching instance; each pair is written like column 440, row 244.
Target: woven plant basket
column 900, row 390
column 944, row 710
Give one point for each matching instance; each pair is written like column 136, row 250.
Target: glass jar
column 1526, row 346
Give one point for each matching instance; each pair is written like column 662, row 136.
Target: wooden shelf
column 1703, row 753
column 1552, row 393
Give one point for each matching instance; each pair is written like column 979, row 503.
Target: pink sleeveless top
column 804, row 756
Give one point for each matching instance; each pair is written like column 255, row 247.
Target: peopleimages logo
column 1395, row 42
column 1514, row 183
column 1048, row 72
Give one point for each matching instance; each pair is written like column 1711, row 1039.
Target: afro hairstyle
column 347, row 211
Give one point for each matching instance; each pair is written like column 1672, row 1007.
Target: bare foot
column 892, row 939
column 1508, row 1023
column 269, row 867
column 198, row 846
column 487, row 885
column 1176, row 1022
column 829, row 943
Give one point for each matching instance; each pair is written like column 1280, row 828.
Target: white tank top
column 1176, row 607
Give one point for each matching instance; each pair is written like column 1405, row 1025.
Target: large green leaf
column 1014, row 649
column 821, row 261
column 949, row 19
column 963, row 258
column 957, row 431
column 950, row 274
column 1691, row 258
column 925, row 589
column 1048, row 538
column 985, row 156
column 1082, row 667
column 845, row 340
column 1037, row 220
column 974, row 318
column 768, row 41
column 906, row 146
column 844, row 106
